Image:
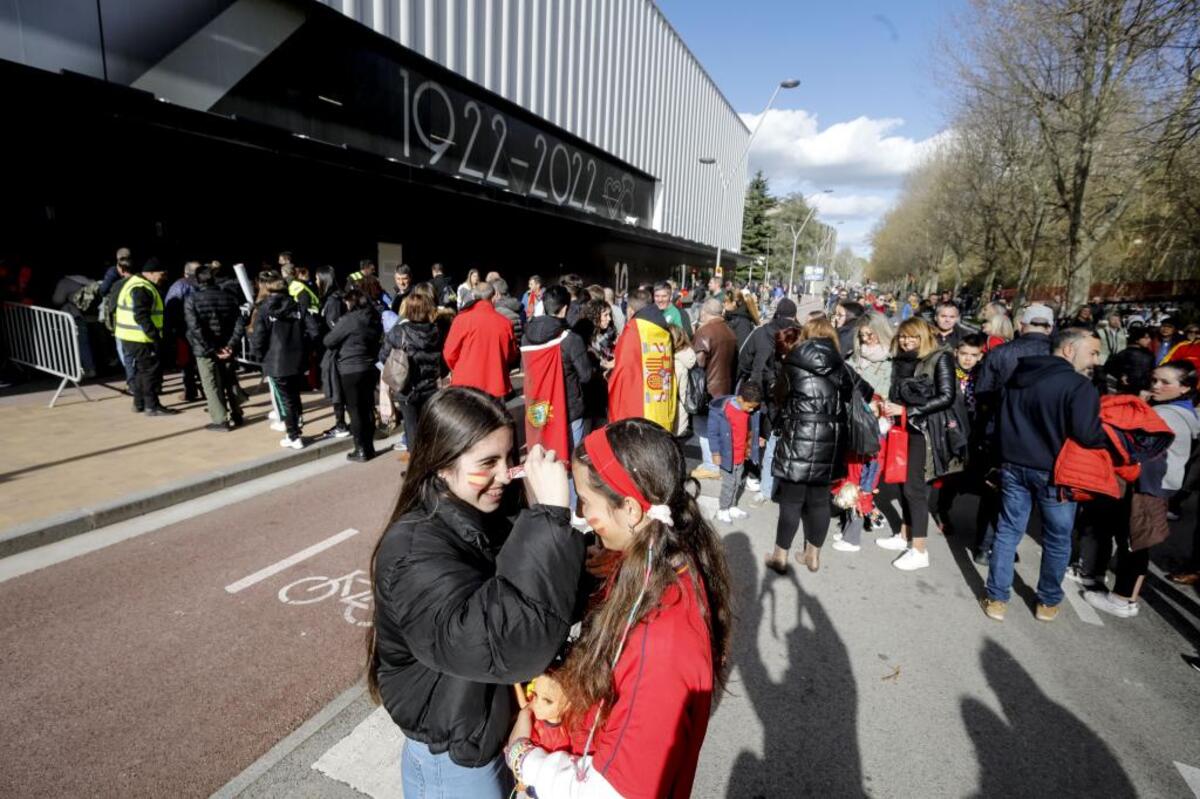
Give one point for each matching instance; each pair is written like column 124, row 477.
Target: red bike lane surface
column 131, row 671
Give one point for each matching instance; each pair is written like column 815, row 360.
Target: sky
column 867, row 109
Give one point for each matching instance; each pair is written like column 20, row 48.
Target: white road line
column 1191, row 775
column 290, row 560
column 45, row 556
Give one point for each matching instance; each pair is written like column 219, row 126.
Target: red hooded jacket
column 480, row 349
column 1095, row 471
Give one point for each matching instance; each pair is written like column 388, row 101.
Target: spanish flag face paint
column 479, row 479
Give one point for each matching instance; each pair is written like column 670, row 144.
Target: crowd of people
column 600, row 588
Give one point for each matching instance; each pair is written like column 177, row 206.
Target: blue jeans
column 700, row 425
column 1020, row 487
column 425, row 775
column 766, row 480
column 576, row 437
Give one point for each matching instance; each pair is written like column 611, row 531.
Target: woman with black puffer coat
column 355, row 342
column 417, row 334
column 331, row 311
column 923, row 391
column 741, row 318
column 810, row 394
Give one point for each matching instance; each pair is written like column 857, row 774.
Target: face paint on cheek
column 479, row 479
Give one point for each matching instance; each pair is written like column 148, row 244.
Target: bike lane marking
column 291, row 560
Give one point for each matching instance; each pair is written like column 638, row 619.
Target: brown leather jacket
column 716, row 350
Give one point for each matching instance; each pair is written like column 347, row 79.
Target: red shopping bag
column 895, row 452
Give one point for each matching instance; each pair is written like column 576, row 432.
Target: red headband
column 610, row 469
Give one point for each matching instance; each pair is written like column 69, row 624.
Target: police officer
column 138, row 326
column 298, row 289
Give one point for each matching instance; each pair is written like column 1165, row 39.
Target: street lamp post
column 709, row 160
column 796, row 236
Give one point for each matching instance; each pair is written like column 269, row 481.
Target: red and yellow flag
column 546, row 421
column 642, row 381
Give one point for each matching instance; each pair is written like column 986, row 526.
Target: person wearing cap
column 1037, row 321
column 114, row 273
column 1130, row 370
column 1168, row 337
column 139, row 330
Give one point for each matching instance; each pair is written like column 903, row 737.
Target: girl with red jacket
column 655, row 647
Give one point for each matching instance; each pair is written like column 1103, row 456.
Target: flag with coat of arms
column 546, row 421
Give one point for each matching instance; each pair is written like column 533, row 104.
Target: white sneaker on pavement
column 837, row 535
column 723, row 516
column 279, row 427
column 273, row 415
column 737, row 513
column 291, row 443
column 912, row 560
column 1111, row 604
column 752, row 484
column 842, row 545
column 896, row 542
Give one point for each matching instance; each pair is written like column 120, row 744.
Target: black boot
column 359, row 455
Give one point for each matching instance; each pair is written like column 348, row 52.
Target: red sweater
column 480, row 349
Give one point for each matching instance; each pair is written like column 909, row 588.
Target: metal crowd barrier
column 46, row 340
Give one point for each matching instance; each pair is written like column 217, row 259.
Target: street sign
column 814, row 273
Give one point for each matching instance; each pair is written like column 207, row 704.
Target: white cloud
column 863, row 160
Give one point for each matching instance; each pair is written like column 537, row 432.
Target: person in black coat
column 331, row 309
column 282, row 338
column 1130, row 370
column 354, row 341
column 577, row 367
column 417, row 335
column 738, row 317
column 756, row 359
column 467, row 601
column 810, row 395
column 923, row 384
column 214, row 324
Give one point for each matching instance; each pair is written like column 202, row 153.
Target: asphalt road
column 136, row 670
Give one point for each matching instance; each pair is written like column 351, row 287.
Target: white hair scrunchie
column 661, row 513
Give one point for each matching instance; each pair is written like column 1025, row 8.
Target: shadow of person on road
column 810, row 717
column 1036, row 747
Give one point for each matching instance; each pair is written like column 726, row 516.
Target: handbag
column 695, row 398
column 862, row 426
column 895, row 452
column 396, row 368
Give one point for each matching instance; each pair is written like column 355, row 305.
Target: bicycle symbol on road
column 309, row 590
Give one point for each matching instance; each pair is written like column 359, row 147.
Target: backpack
column 861, row 424
column 84, row 298
column 695, row 396
column 397, row 368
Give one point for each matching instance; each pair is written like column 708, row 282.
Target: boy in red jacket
column 733, row 424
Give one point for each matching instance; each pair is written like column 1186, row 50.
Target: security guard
column 299, row 291
column 366, row 268
column 138, row 325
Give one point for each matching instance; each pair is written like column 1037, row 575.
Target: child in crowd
column 967, row 356
column 282, row 338
column 733, row 424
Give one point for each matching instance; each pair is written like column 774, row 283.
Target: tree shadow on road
column 1036, row 747
column 810, row 717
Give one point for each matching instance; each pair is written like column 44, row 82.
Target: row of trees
column 768, row 223
column 1073, row 156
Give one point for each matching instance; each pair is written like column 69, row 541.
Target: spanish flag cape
column 642, row 382
column 546, row 421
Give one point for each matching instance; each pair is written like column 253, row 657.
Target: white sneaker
column 912, row 560
column 760, row 498
column 1110, row 604
column 737, row 513
column 279, row 427
column 292, row 443
column 845, row 546
column 1172, row 516
column 273, row 415
column 837, row 535
column 896, row 542
column 752, row 484
column 723, row 516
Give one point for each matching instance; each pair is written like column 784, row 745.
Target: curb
column 40, row 532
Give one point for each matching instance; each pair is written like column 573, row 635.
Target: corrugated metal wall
column 613, row 72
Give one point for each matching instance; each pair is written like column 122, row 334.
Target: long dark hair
column 655, row 462
column 326, row 281
column 452, row 421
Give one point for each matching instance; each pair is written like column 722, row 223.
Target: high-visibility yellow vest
column 355, row 278
column 125, row 327
column 297, row 287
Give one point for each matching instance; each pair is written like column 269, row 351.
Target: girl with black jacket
column 282, row 338
column 468, row 602
column 331, row 311
column 354, row 343
column 923, row 386
column 417, row 335
column 811, row 393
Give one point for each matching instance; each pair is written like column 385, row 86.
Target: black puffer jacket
column 423, row 343
column 741, row 324
column 283, row 336
column 214, row 320
column 811, row 393
column 355, row 340
column 930, row 378
column 577, row 367
column 459, row 618
column 756, row 360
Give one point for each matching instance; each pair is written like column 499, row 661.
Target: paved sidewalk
column 82, row 454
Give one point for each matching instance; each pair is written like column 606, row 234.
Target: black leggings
column 360, row 391
column 914, row 496
column 814, row 511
